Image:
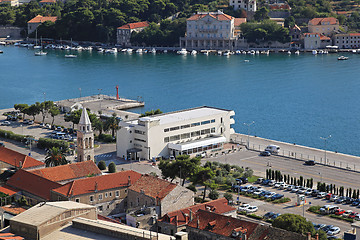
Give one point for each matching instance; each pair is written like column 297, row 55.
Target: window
column 166, row 130
column 91, row 198
column 174, row 128
column 77, row 200
column 195, row 134
column 100, row 197
column 110, row 194
column 185, row 126
column 140, row 140
column 212, row 130
column 175, row 138
column 221, row 120
column 166, row 139
column 106, row 195
column 185, row 135
column 195, row 124
column 212, row 120
column 205, row 122
column 100, row 208
column 140, row 132
column 117, row 194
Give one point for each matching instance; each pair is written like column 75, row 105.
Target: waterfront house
column 164, row 196
column 324, row 26
column 123, row 33
column 176, row 221
column 347, row 40
column 38, row 20
column 208, row 225
column 248, row 5
column 316, row 41
column 107, row 192
column 69, row 172
column 12, row 159
column 189, row 131
column 47, row 2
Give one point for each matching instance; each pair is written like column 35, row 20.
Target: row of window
column 188, row 135
column 139, row 140
column 140, row 132
column 348, row 42
column 208, row 26
column 209, row 35
column 348, row 37
column 189, row 125
column 100, row 196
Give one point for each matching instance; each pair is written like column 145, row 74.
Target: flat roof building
column 189, row 131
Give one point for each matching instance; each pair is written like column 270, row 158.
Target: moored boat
column 182, row 51
column 70, row 56
column 40, row 53
column 343, row 58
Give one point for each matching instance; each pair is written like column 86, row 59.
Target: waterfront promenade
column 302, row 153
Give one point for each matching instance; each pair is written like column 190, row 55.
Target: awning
column 134, row 150
column 197, row 143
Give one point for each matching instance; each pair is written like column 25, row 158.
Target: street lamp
column 248, row 125
column 44, row 97
column 325, row 140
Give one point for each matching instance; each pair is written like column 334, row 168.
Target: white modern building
column 190, row 131
column 248, row 5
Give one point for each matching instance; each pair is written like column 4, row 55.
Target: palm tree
column 55, row 157
column 112, row 124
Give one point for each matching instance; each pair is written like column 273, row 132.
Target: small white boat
column 37, row 47
column 257, row 52
column 3, row 43
column 16, row 44
column 238, row 52
column 182, row 51
column 252, row 52
column 297, row 52
column 139, row 51
column 79, row 48
column 321, row 52
column 289, row 52
column 40, row 53
column 193, row 52
column 153, row 51
column 227, row 53
column 70, row 56
column 165, row 51
column 314, row 52
column 246, row 60
column 219, row 53
column 129, row 50
column 343, row 58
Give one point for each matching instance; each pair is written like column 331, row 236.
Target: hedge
column 107, row 138
column 49, row 143
column 13, row 136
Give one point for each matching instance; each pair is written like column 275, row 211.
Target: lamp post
column 248, row 125
column 325, row 140
column 44, row 97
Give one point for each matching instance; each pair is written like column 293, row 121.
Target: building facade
column 325, row 26
column 347, row 40
column 248, row 5
column 85, row 139
column 38, row 20
column 316, row 41
column 210, row 30
column 123, row 33
column 191, row 131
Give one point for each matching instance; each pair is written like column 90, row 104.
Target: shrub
column 102, row 165
column 112, row 167
column 13, row 136
column 228, row 196
column 198, row 200
column 50, row 143
column 219, row 180
column 213, row 195
column 192, row 188
column 282, row 200
column 315, row 209
column 107, row 138
column 255, row 216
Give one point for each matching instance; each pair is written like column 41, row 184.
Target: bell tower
column 85, row 138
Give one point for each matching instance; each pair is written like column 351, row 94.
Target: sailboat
column 36, row 42
column 71, row 55
column 41, row 52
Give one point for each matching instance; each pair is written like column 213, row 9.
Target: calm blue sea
column 295, row 99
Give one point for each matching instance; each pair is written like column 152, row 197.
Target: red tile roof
column 103, row 182
column 239, row 21
column 68, row 171
column 354, row 34
column 16, row 159
column 32, row 183
column 134, row 25
column 153, row 186
column 217, row 16
column 324, row 21
column 8, row 190
column 48, row 1
column 13, row 210
column 107, row 219
column 41, row 19
column 182, row 216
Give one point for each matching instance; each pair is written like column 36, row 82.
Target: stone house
column 248, row 5
column 38, row 20
column 166, row 197
column 347, row 40
column 12, row 159
column 123, row 33
column 324, row 26
column 316, row 41
column 107, row 192
column 176, row 221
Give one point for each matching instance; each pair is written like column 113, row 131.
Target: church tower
column 85, row 138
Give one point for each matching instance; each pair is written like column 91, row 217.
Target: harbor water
column 295, row 99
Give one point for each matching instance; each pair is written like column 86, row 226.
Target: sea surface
column 295, row 99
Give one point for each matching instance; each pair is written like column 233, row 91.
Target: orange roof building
column 10, row 158
column 107, row 192
column 151, row 191
column 325, row 26
column 135, row 25
column 176, row 221
column 66, row 173
column 38, row 20
column 47, row 2
column 123, row 33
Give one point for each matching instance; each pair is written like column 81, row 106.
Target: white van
column 273, row 149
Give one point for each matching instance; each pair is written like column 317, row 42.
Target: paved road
column 295, row 168
column 301, row 152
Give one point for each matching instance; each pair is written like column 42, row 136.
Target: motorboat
column 40, row 53
column 289, row 52
column 165, row 51
column 182, row 51
column 257, row 52
column 227, row 53
column 139, row 51
column 129, row 50
column 219, row 52
column 297, row 52
column 343, row 58
column 1, row 51
column 238, row 52
column 205, row 52
column 153, row 51
column 193, row 52
column 70, row 56
column 314, row 52
column 321, row 52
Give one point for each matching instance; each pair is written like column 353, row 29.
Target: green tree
column 22, row 108
column 294, row 223
column 261, row 14
column 202, row 177
column 213, row 195
column 45, row 108
column 112, row 123
column 112, row 167
column 55, row 157
column 151, row 113
column 54, row 111
column 102, row 165
column 34, row 110
column 228, row 196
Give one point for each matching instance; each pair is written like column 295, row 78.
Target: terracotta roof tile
column 324, row 21
column 13, row 210
column 68, row 171
column 32, row 183
column 239, row 21
column 354, row 34
column 182, row 216
column 153, row 186
column 103, row 182
column 134, row 25
column 16, row 159
column 217, row 16
column 48, row 1
column 103, row 218
column 8, row 190
column 41, row 19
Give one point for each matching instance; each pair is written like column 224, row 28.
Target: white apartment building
column 190, row 131
column 347, row 40
column 248, row 5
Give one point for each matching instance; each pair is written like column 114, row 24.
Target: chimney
column 129, row 181
column 308, row 236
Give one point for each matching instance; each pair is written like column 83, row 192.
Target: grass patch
column 342, row 218
column 255, row 216
column 282, row 200
column 253, row 179
column 314, row 209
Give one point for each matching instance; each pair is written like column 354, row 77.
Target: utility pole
column 325, row 140
column 248, row 125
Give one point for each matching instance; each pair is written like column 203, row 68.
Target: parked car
column 349, row 200
column 273, row 149
column 308, row 192
column 271, row 183
column 333, row 198
column 319, row 226
column 290, row 187
column 265, row 153
column 355, row 202
column 328, row 196
column 48, row 126
column 310, row 162
column 321, row 195
column 265, row 182
column 26, row 121
column 295, row 189
column 244, row 180
column 251, row 209
column 5, row 123
column 357, row 217
column 347, row 213
column 268, row 215
column 315, row 192
column 283, row 186
column 277, row 196
column 301, row 191
column 31, row 122
column 270, row 195
column 243, row 207
column 333, row 231
column 353, row 215
column 325, row 209
column 339, row 211
column 340, row 200
column 259, row 180
column 273, row 217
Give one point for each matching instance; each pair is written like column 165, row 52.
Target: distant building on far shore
column 123, row 33
column 248, row 5
column 47, row 2
column 38, row 20
column 13, row 3
column 325, row 26
column 347, row 40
